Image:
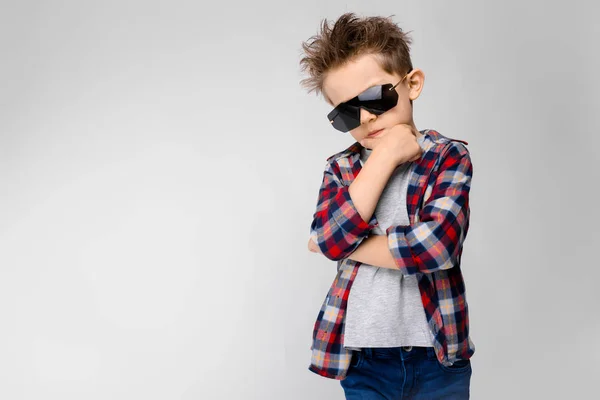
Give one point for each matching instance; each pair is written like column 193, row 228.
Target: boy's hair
column 349, row 38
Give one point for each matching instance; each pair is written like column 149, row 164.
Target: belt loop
column 368, row 352
column 431, row 352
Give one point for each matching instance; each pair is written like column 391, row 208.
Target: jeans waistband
column 402, row 352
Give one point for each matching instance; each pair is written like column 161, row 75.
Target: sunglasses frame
column 333, row 114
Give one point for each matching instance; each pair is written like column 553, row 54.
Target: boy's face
column 348, row 81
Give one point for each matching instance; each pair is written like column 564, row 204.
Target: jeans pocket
column 357, row 359
column 459, row 367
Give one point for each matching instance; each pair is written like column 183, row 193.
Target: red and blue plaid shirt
column 430, row 247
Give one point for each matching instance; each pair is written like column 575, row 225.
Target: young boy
column 403, row 329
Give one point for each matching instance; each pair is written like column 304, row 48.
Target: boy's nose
column 366, row 116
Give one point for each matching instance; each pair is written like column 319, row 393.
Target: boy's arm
column 435, row 242
column 338, row 225
column 374, row 251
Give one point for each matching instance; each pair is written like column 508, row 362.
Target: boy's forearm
column 368, row 185
column 345, row 214
column 374, row 251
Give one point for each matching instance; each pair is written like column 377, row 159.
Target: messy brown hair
column 351, row 37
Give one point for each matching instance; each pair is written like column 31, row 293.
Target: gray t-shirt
column 384, row 306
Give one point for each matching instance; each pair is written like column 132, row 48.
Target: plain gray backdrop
column 160, row 165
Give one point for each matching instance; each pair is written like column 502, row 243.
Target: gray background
column 159, row 167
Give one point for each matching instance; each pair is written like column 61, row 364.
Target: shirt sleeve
column 435, row 242
column 337, row 227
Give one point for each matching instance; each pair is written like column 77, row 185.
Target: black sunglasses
column 376, row 99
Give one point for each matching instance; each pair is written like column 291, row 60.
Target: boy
column 403, row 329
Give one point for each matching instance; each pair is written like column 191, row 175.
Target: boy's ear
column 416, row 82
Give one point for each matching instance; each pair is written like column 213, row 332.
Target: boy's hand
column 312, row 246
column 398, row 144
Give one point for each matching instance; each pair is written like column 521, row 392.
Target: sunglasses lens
column 371, row 94
column 377, row 100
column 345, row 118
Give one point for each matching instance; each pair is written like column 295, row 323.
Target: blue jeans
column 405, row 373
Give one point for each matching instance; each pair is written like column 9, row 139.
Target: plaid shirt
column 430, row 247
